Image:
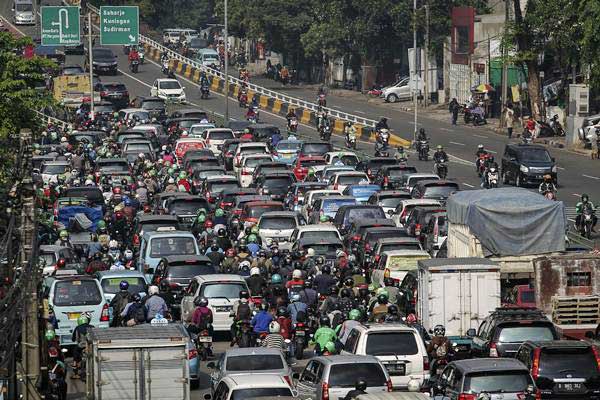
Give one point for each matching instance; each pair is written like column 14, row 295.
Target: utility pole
column 426, row 61
column 504, row 57
column 91, row 63
column 416, row 76
column 226, row 52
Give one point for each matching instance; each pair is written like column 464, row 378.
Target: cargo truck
column 457, row 293
column 143, row 362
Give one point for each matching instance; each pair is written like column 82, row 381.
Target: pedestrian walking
column 509, row 118
column 454, row 107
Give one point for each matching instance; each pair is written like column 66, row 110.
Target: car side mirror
column 471, row 332
column 211, row 365
column 553, row 159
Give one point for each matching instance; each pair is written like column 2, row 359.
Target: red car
column 303, row 163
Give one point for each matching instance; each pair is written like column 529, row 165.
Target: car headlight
column 524, row 169
column 554, row 169
column 182, row 95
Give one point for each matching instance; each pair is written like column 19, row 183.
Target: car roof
column 401, row 239
column 56, row 163
column 391, row 253
column 292, row 214
column 317, row 227
column 221, row 277
column 167, row 80
column 315, row 241
column 420, row 174
column 346, row 359
column 52, row 247
column 558, row 344
column 151, row 235
column 251, row 351
column 425, row 202
column 251, row 144
column 256, row 380
column 476, row 365
column 523, row 146
column 186, row 258
column 392, row 193
column 436, row 182
column 378, row 327
column 156, row 217
column 118, row 274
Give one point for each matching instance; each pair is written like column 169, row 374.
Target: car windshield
column 77, row 293
column 330, row 206
column 267, row 393
column 141, row 115
column 153, row 105
column 440, row 191
column 117, row 87
column 316, row 148
column 172, row 246
column 518, row 334
column 289, row 146
column 48, row 258
column 253, row 150
column 279, row 182
column 139, row 147
column 391, row 343
column 346, row 375
column 152, row 227
column 277, row 223
column 404, row 262
column 537, row 155
column 23, row 7
column 220, row 135
column 578, row 361
column 103, row 53
column 256, row 362
column 111, row 285
column 252, row 162
column 391, row 201
column 257, row 211
column 351, row 179
column 191, row 270
column 311, row 162
column 326, row 249
column 492, row 381
column 399, row 246
column 169, row 85
column 358, row 214
column 218, row 187
column 187, row 206
column 319, row 235
column 349, row 160
column 103, row 108
column 210, row 56
column 53, row 169
column 222, row 289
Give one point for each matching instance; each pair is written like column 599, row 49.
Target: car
column 325, row 173
column 286, row 151
column 274, row 184
column 388, row 199
column 268, row 167
column 252, row 210
column 247, row 165
column 562, row 368
column 357, row 229
column 72, row 70
column 361, row 192
column 340, row 180
column 221, row 290
column 327, row 248
column 197, row 130
column 113, row 92
column 304, row 163
column 249, row 361
column 419, row 217
column 104, row 60
column 226, row 198
column 504, row 330
column 196, row 160
column 399, row 347
column 436, row 233
column 252, row 386
column 347, row 214
column 70, row 297
column 215, row 137
column 55, row 257
column 92, row 194
column 328, row 206
column 315, row 231
column 189, row 113
column 312, row 195
column 52, row 169
column 403, row 209
column 401, row 90
column 228, row 150
column 347, row 158
column 110, row 282
column 389, row 177
column 169, row 90
column 332, row 377
column 278, row 226
column 143, row 223
column 102, row 108
column 107, row 166
column 138, row 145
column 370, row 236
column 212, row 186
column 434, row 189
column 409, row 181
column 153, row 105
column 24, row 12
column 186, row 208
column 372, row 165
column 162, row 243
column 395, row 243
column 86, row 137
column 263, row 132
column 294, row 199
column 315, row 148
column 246, row 148
column 128, row 114
column 500, row 378
column 396, row 264
column 525, row 164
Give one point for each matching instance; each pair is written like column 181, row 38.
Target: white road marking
column 446, row 130
column 459, row 144
column 466, row 184
column 591, row 177
column 360, row 112
column 13, row 26
column 561, row 168
column 492, row 151
column 481, row 136
column 576, row 194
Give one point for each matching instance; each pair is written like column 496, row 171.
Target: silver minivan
column 23, row 12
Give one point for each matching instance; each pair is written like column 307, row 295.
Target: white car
column 216, row 137
column 403, row 209
column 248, row 164
column 197, row 130
column 340, row 180
column 311, row 196
column 411, row 180
column 400, row 349
column 127, row 114
column 252, row 386
column 169, row 90
column 348, row 158
column 279, row 226
column 401, row 90
column 318, row 231
column 244, row 149
column 52, row 169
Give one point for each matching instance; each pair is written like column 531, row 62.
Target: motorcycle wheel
column 299, row 349
column 204, row 353
column 588, row 231
column 245, row 340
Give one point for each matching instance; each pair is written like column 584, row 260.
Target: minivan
column 527, row 164
column 23, row 12
column 208, row 58
column 164, row 242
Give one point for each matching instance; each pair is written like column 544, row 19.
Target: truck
column 458, row 293
column 512, row 226
column 146, row 362
column 72, row 90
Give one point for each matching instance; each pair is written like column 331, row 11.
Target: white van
column 23, row 12
column 208, row 58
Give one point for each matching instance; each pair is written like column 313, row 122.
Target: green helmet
column 201, row 218
column 171, row 171
column 254, row 229
column 276, row 278
column 324, row 218
column 252, row 238
column 50, row 335
column 311, row 172
column 382, row 291
column 115, row 115
column 219, row 212
column 53, row 135
column 201, row 211
column 167, row 163
column 101, row 224
column 354, row 314
column 152, row 172
column 63, row 234
column 82, row 319
column 182, row 175
column 373, row 287
column 330, row 347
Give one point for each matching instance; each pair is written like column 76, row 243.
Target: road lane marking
column 446, row 130
column 466, row 184
column 492, row 151
column 459, row 144
column 591, row 177
column 561, row 168
column 480, row 136
column 12, row 26
column 360, row 112
column 576, row 194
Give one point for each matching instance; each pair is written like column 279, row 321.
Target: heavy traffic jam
column 182, row 253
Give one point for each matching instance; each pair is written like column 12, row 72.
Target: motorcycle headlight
column 524, row 169
column 554, row 169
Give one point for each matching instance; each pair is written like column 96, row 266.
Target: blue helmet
column 124, row 285
column 127, row 201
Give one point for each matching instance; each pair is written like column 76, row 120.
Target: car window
column 161, row 247
column 501, row 381
column 222, row 290
column 579, row 361
column 391, row 343
column 277, row 223
column 188, row 271
column 310, row 372
column 111, row 285
column 518, row 334
column 254, row 362
column 273, row 393
column 318, row 235
column 345, row 375
column 536, row 155
column 76, row 293
column 350, row 344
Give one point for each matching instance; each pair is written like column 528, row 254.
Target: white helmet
column 171, row 181
column 63, row 139
column 141, row 155
column 128, row 254
column 297, row 274
column 89, row 182
column 152, row 290
column 310, row 252
column 113, row 244
column 255, row 271
column 274, row 327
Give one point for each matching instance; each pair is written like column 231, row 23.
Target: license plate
column 570, row 387
column 300, row 333
column 288, row 155
column 397, row 369
column 205, row 339
column 73, row 315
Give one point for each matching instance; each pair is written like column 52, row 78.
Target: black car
column 389, row 177
column 104, row 61
column 505, row 329
column 104, row 108
column 295, row 195
column 275, row 184
column 189, row 113
column 372, row 165
column 186, row 208
column 263, row 132
column 315, row 149
column 562, row 369
column 154, row 105
column 113, row 92
column 434, row 189
column 527, row 164
column 347, row 214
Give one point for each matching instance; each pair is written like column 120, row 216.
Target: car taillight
column 173, row 286
column 377, row 257
column 192, row 353
column 538, row 394
column 325, row 391
column 597, row 356
column 125, row 94
column 386, row 180
column 295, row 199
column 245, row 171
column 356, row 238
column 535, row 365
column 493, row 350
column 367, row 248
column 417, row 229
column 136, row 240
column 466, row 396
column 104, row 314
column 425, row 363
column 390, row 387
column 288, row 380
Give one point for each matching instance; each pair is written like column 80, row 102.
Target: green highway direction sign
column 119, row 25
column 60, row 26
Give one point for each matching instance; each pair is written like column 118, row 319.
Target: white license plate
column 205, row 339
column 300, row 333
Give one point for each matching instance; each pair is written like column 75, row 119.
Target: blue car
column 362, row 193
column 286, row 151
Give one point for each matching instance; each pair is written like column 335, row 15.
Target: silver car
column 279, row 226
column 249, row 360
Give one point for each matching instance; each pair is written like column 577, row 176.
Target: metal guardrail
column 54, row 120
column 258, row 89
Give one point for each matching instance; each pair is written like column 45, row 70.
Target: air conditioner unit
column 579, row 100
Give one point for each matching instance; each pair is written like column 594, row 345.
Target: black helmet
column 422, row 130
column 248, row 230
column 363, row 291
column 349, row 282
column 382, row 299
column 242, row 244
column 346, row 292
column 244, row 294
column 201, row 301
column 439, row 330
column 136, row 297
column 332, row 291
column 585, row 197
column 221, row 232
column 282, row 312
column 297, row 265
column 361, row 384
column 307, row 284
column 326, row 269
column 320, row 260
column 324, row 321
column 393, row 309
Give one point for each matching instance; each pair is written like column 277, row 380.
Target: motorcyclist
column 285, row 322
column 296, row 283
column 582, row 205
column 274, row 339
column 256, row 283
column 330, row 302
column 290, row 115
column 323, row 335
column 79, row 337
column 481, row 151
column 360, row 388
column 324, row 281
column 440, row 154
column 391, row 289
column 296, row 306
column 422, row 136
column 401, row 155
column 63, row 239
column 204, row 82
column 439, row 346
column 380, row 307
column 308, row 295
column 242, row 311
column 133, row 55
column 155, row 304
column 382, row 124
column 250, row 114
column 547, row 185
column 260, row 322
column 349, row 131
column 393, row 314
column 202, row 317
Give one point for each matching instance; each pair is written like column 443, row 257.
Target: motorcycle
column 423, row 149
column 586, row 222
column 480, row 164
column 203, row 342
column 442, row 168
column 244, row 338
column 204, row 92
column 550, row 195
column 242, row 99
column 142, row 55
column 491, row 178
column 165, row 67
column 300, row 340
column 293, row 125
column 556, row 126
column 351, row 140
column 133, row 66
column 322, row 100
column 325, row 132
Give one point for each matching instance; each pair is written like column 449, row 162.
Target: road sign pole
column 226, row 53
column 91, row 64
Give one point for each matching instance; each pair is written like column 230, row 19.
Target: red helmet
column 411, row 318
column 117, row 190
column 208, row 224
column 61, row 263
column 230, row 253
column 119, row 215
